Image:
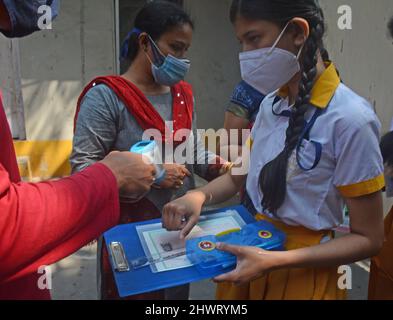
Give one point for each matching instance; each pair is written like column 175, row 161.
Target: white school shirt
column 351, row 164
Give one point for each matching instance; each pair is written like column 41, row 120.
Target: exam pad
column 149, row 241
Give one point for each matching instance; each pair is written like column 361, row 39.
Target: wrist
column 276, row 260
column 118, row 177
column 160, row 176
column 226, row 167
column 201, row 196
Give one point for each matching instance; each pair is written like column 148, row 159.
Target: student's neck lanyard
column 305, row 135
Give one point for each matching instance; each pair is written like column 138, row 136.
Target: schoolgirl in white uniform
column 314, row 148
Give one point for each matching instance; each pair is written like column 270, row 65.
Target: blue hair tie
column 125, row 45
column 137, row 31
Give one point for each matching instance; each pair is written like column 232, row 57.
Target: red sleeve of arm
column 45, row 222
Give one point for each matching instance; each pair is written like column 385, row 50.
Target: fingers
column 153, row 171
column 186, row 172
column 172, row 217
column 182, row 174
column 113, row 153
column 227, row 277
column 175, row 176
column 235, row 250
column 174, row 221
column 165, row 215
column 182, row 171
column 236, row 276
column 177, row 220
column 178, row 184
column 188, row 227
column 170, row 221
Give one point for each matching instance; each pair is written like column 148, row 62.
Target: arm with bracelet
column 183, row 214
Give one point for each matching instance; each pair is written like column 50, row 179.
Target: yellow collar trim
column 324, row 88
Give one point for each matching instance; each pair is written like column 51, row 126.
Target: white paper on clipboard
column 159, row 243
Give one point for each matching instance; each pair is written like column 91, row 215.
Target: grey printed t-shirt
column 104, row 124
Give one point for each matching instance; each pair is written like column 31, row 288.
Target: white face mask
column 268, row 69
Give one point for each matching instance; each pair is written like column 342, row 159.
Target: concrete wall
column 364, row 54
column 10, row 86
column 214, row 56
column 55, row 66
column 57, row 63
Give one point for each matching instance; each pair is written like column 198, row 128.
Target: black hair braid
column 273, row 176
column 324, row 54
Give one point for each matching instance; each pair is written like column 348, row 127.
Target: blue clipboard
column 144, row 280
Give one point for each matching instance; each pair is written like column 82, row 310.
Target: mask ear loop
column 301, row 49
column 158, row 55
column 279, row 38
column 297, row 57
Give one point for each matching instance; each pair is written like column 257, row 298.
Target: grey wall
column 10, row 86
column 57, row 63
column 214, row 57
column 364, row 54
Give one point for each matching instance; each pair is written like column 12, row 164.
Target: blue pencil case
column 202, row 251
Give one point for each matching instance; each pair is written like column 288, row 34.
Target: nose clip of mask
column 150, row 150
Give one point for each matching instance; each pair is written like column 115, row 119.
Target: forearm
column 48, row 221
column 340, row 251
column 221, row 189
column 364, row 241
column 207, row 164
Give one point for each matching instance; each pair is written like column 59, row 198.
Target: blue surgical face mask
column 25, row 16
column 167, row 70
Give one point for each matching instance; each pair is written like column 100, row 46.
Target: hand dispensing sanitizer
column 150, row 150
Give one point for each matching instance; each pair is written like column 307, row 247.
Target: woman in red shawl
column 114, row 112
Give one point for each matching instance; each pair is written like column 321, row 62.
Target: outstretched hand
column 252, row 263
column 183, row 213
